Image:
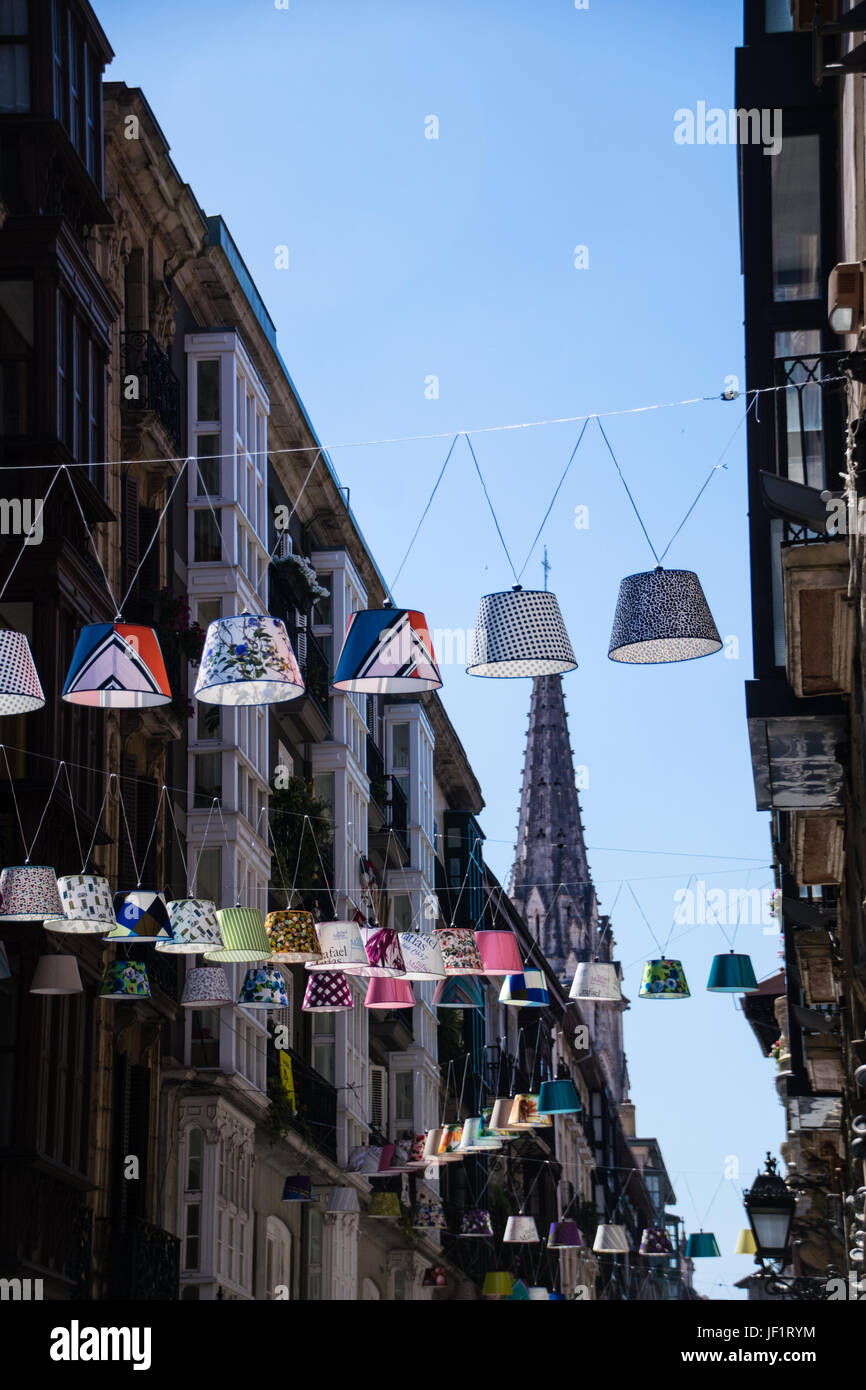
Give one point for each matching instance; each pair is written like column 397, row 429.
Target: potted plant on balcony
column 302, row 575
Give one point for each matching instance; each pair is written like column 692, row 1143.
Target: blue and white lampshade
column 248, row 660
column 141, row 915
column 520, row 632
column 194, row 925
column 28, row 893
column 117, row 666
column 298, row 1187
column 341, row 947
column 387, row 651
column 88, row 906
column 206, row 987
column 263, row 988
column 528, row 990
column 243, row 937
column 662, row 615
column 459, row 992
column 20, row 689
column 125, row 980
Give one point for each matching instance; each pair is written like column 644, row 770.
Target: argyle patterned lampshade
column 263, row 988
column 384, row 957
column 521, row 1230
column 20, row 689
column 194, row 927
column 206, row 987
column 524, row 1114
column 459, row 992
column 655, row 1241
column 387, row 651
column 292, row 934
column 243, row 936
column 610, row 1239
column 662, row 615
column 598, row 981
column 499, row 952
column 342, row 948
column 422, row 956
column 664, row 979
column 520, row 632
column 28, row 893
column 389, row 994
column 459, row 950
column 247, row 660
column 564, row 1235
column 429, row 1213
column 528, row 990
column 702, row 1245
column 117, row 666
column 141, row 915
column 88, row 906
column 475, row 1224
column 125, row 979
column 327, row 992
column 732, row 974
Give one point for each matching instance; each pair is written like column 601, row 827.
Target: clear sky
column 413, row 257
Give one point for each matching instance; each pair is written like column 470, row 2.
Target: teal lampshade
column 663, row 979
column 732, row 974
column 559, row 1098
column 519, row 1292
column 701, row 1246
column 459, row 992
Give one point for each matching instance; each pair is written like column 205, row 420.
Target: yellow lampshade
column 497, row 1284
column 746, row 1243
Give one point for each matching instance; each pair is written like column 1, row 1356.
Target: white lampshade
column 596, row 980
column 610, row 1240
column 88, row 906
column 20, row 690
column 520, row 632
column 422, row 956
column 56, row 974
column 521, row 1230
column 194, row 926
column 28, row 893
column 248, row 660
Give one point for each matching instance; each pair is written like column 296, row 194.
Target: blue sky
column 412, row 257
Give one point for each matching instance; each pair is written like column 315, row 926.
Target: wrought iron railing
column 57, row 1240
column 158, row 388
column 143, row 1261
column 809, row 418
column 316, row 1106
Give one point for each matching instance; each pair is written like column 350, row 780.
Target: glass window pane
column 399, row 746
column 208, row 542
column 195, row 1151
column 208, row 475
column 208, row 376
column 796, row 219
column 16, row 354
column 14, row 78
column 777, row 17
column 208, row 779
column 804, row 411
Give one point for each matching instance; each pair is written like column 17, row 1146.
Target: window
column 208, row 872
column 208, row 475
column 208, row 390
column 404, row 1102
column 192, row 1189
column 205, row 1038
column 314, row 1253
column 804, row 438
column 16, row 352
column 777, row 17
column 208, row 780
column 323, row 610
column 378, row 1112
column 400, row 756
column 207, row 540
column 795, row 182
column 62, row 1083
column 278, row 1261
column 324, row 1035
column 77, row 86
column 14, row 57
column 80, row 387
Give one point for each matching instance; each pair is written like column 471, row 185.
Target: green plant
column 280, row 1117
column 300, row 844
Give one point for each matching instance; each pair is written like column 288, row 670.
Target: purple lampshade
column 327, row 992
column 564, row 1235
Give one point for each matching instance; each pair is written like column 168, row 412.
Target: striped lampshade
column 244, row 937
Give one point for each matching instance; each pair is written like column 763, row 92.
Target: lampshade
column 141, row 915
column 263, row 988
column 701, row 1246
column 125, row 979
column 429, row 1214
column 519, row 1292
column 28, row 893
column 415, row 1156
column 117, row 666
column 732, row 974
column 499, row 1116
column 247, row 660
column 557, row 1297
column 56, row 974
column 206, row 987
column 524, row 1114
column 20, row 690
column 243, row 936
column 434, row 1277
column 448, row 1150
column 662, row 615
column 472, row 1141
column 87, row 906
column 384, row 1206
column 499, row 952
column 298, row 1187
column 387, row 651
column 526, row 991
column 422, row 956
column 459, row 950
column 342, row 948
column 559, row 1098
column 475, row 1224
column 389, row 994
column 343, row 1199
column 497, row 1284
column 486, row 1132
column 431, row 1145
column 521, row 1230
column 327, row 992
column 664, row 979
column 292, row 934
column 459, row 992
column 596, row 980
column 746, row 1243
column 655, row 1241
column 520, row 632
column 564, row 1235
column 384, row 957
column 610, row 1240
column 537, row 1294
column 195, row 927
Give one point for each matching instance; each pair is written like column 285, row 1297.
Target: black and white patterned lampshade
column 520, row 632
column 662, row 615
column 20, row 691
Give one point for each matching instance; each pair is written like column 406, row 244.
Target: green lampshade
column 702, row 1245
column 732, row 974
column 497, row 1284
column 664, row 979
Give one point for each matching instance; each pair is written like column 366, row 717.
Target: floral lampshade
column 655, row 1241
column 206, row 987
column 248, row 660
column 475, row 1224
column 564, row 1235
column 141, row 915
column 520, row 632
column 415, row 1156
column 292, row 934
column 88, row 906
column 28, row 893
column 327, row 992
column 429, row 1213
column 263, row 988
column 384, row 1206
column 125, row 979
column 521, row 1230
column 497, row 1284
column 524, row 1114
column 387, row 651
column 732, row 974
column 195, row 927
column 559, row 1097
column 664, row 979
column 662, row 615
column 384, row 957
column 422, row 956
column 342, row 948
column 389, row 994
column 500, row 953
column 449, row 1144
column 56, row 974
column 459, row 950
column 526, row 991
column 20, row 688
column 611, row 1239
column 459, row 992
column 117, row 666
column 243, row 937
column 597, row 981
column 499, row 1117
column 702, row 1245
column 298, row 1187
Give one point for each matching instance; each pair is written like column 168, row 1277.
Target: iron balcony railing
column 158, row 389
column 143, row 1261
column 316, row 1106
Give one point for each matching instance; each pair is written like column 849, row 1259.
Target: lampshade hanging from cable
column 206, row 987
column 422, row 956
column 564, row 1235
column 292, row 934
column 195, row 927
column 125, row 979
column 327, row 992
column 559, row 1097
column 389, row 994
column 459, row 992
column 732, row 974
column 248, row 660
column 141, row 915
column 528, row 990
column 664, row 979
column 520, row 632
column 387, row 651
column 20, row 688
column 28, row 893
column 459, row 950
column 117, row 666
column 56, row 974
column 702, row 1245
column 597, row 981
column 611, row 1239
column 243, row 934
column 500, row 953
column 475, row 1224
column 87, row 903
column 655, row 1241
column 384, row 956
column 341, row 947
column 521, row 1230
column 662, row 615
column 263, row 988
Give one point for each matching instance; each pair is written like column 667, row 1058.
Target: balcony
column 57, row 1246
column 142, row 1261
column 316, row 1101
column 156, row 394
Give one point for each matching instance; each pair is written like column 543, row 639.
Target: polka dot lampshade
column 20, row 689
column 520, row 633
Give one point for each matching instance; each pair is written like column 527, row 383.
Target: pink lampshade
column 500, row 954
column 389, row 994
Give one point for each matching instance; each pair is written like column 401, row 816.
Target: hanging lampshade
column 499, row 1116
column 141, row 915
column 497, row 1284
column 247, row 660
column 557, row 1297
column 342, row 948
column 459, row 950
column 564, row 1235
column 521, row 1230
column 472, row 1141
column 20, row 689
column 434, row 1277
column 28, row 893
column 537, row 1294
column 732, row 974
column 459, row 992
column 422, row 956
column 292, row 934
column 195, row 927
column 431, row 1145
column 520, row 632
column 662, row 615
column 298, row 1187
column 327, row 992
column 746, row 1243
column 611, row 1240
column 56, row 974
column 415, row 1156
column 243, row 936
column 117, row 666
column 343, row 1199
column 519, row 1292
column 499, row 952
column 384, row 1206
column 389, row 994
column 485, row 1132
column 384, row 957
column 596, row 980
column 429, row 1214
column 475, row 1224
column 387, row 651
column 559, row 1098
column 448, row 1150
column 524, row 1114
column 526, row 991
column 87, row 906
column 125, row 979
column 263, row 988
column 655, row 1241
column 701, row 1246
column 206, row 987
column 664, row 979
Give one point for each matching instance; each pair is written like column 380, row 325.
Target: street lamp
column 770, row 1208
